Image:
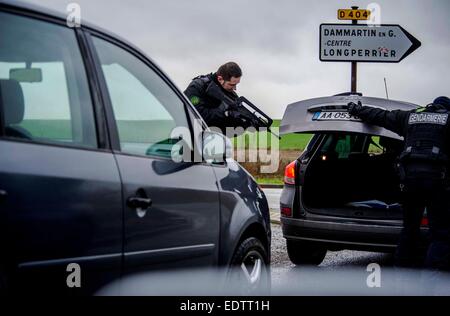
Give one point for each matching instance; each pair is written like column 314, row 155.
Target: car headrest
column 12, row 101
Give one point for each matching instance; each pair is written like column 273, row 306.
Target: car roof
column 298, row 116
column 33, row 8
column 26, row 6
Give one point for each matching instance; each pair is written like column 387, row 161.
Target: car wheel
column 249, row 273
column 305, row 252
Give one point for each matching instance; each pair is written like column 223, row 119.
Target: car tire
column 249, row 272
column 305, row 252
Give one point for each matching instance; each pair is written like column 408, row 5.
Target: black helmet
column 443, row 101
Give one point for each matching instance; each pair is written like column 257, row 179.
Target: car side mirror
column 216, row 147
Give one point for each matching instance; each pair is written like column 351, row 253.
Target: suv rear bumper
column 370, row 235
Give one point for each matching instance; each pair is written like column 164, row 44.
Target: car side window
column 44, row 93
column 145, row 107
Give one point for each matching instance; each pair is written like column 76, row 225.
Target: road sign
column 363, row 43
column 349, row 14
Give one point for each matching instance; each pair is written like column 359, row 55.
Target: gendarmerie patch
column 428, row 118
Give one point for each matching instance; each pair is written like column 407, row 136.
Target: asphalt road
column 273, row 198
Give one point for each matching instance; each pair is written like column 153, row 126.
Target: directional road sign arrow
column 364, row 43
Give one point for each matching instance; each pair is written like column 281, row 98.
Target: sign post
column 387, row 43
column 354, row 65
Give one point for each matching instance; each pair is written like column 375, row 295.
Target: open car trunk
column 362, row 183
column 346, row 176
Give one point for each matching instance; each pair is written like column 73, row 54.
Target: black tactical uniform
column 423, row 169
column 214, row 103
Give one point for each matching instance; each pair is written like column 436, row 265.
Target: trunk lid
column 327, row 114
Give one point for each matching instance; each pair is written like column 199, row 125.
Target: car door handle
column 3, row 194
column 139, row 202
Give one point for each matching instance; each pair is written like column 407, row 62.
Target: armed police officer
column 423, row 168
column 215, row 98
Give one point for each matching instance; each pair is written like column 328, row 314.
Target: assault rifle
column 252, row 114
column 242, row 109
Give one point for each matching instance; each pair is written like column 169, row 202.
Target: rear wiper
column 335, row 107
column 339, row 107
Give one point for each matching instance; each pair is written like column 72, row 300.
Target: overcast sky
column 276, row 43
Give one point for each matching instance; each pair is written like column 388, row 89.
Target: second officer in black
column 214, row 96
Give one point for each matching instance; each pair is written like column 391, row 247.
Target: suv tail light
column 289, row 173
column 424, row 221
column 286, row 211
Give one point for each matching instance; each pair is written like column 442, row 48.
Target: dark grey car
column 343, row 191
column 87, row 174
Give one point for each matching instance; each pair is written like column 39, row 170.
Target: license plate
column 334, row 116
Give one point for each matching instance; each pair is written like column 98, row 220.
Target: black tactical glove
column 354, row 108
column 230, row 109
column 232, row 114
column 234, row 105
column 224, row 107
